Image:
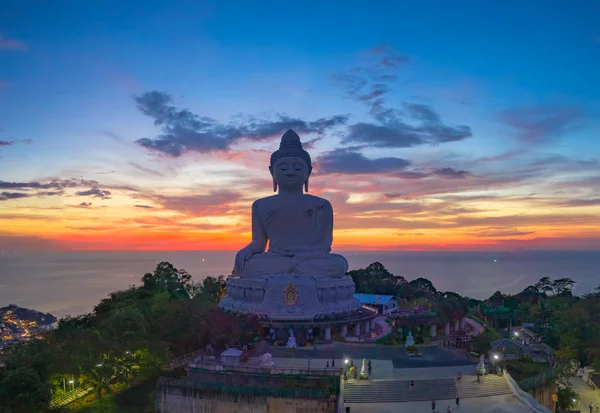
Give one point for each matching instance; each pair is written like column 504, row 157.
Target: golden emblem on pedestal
column 290, row 295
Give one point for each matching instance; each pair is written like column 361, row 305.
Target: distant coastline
column 70, row 283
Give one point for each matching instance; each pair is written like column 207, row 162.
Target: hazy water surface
column 73, row 282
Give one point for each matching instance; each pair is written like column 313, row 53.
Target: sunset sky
column 432, row 125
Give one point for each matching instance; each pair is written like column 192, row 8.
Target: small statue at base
column 481, row 366
column 291, row 341
column 410, row 340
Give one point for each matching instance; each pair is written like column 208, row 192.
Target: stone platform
column 291, row 298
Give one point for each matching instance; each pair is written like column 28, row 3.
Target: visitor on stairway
column 457, row 401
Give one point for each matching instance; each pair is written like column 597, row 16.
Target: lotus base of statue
column 289, row 297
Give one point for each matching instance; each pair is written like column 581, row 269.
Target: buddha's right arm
column 259, row 237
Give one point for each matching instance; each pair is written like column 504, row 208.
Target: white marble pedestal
column 289, row 297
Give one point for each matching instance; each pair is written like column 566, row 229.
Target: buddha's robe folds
column 300, row 234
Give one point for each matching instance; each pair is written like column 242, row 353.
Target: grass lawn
column 520, row 370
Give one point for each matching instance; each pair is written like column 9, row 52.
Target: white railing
column 71, row 396
column 523, row 396
column 182, row 360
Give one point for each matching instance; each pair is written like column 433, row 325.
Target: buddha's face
column 290, row 172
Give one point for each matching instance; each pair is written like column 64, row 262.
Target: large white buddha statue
column 297, row 227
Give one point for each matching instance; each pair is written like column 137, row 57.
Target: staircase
column 398, row 391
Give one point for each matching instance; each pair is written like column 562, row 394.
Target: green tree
column 563, row 287
column 482, row 343
column 167, row 277
column 422, row 287
column 544, row 285
column 23, row 391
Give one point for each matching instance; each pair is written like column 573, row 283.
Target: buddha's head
column 290, row 164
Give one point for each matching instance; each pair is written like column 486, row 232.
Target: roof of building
column 374, row 298
column 595, row 378
column 506, row 343
column 232, row 352
column 543, row 347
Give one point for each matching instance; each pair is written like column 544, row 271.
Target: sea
column 71, row 283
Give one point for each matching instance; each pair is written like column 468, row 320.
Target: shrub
column 412, row 349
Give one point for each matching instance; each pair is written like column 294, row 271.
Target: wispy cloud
column 184, row 131
column 501, row 232
column 11, row 142
column 347, row 161
column 5, row 196
column 12, row 44
column 410, row 125
column 95, row 192
column 145, row 169
column 544, row 123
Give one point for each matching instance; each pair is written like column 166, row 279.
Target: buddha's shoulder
column 317, row 201
column 275, row 200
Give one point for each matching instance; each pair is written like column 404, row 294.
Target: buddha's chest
column 299, row 213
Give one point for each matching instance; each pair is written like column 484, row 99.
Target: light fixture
column 346, row 361
column 496, row 356
column 71, row 382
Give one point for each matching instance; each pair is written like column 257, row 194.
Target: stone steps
column 398, row 391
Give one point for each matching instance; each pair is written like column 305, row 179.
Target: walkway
column 586, row 394
column 491, row 404
column 70, row 397
column 432, row 357
column 399, row 391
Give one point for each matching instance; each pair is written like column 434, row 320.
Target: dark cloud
column 501, row 232
column 5, row 196
column 310, row 144
column 349, row 162
column 394, row 195
column 412, row 175
column 371, row 82
column 143, row 206
column 395, row 133
column 583, row 202
column 542, row 124
column 85, row 205
column 384, row 56
column 14, row 141
column 394, row 127
column 51, row 184
column 452, row 173
column 95, row 192
column 184, row 131
column 214, row 203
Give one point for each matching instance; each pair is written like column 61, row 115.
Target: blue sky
column 520, row 76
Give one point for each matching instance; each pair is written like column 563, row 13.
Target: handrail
column 71, row 396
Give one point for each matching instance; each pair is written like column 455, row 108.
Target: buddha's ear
column 274, row 180
column 306, row 182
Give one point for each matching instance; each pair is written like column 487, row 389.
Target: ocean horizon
column 73, row 282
